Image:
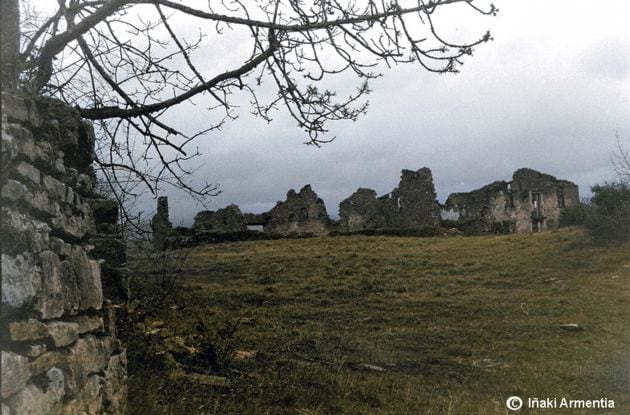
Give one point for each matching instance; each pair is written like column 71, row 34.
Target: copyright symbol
column 514, row 403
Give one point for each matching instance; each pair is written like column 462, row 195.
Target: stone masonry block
column 88, row 279
column 22, row 232
column 15, row 373
column 21, row 280
column 63, row 333
column 27, row 330
column 54, row 298
column 28, row 172
column 90, row 324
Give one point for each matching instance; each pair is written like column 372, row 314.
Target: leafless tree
column 621, row 160
column 126, row 63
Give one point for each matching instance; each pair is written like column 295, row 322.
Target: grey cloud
column 520, row 102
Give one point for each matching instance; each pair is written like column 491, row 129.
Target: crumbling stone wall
column 161, row 225
column 410, row 206
column 361, row 211
column 531, row 202
column 303, row 213
column 226, row 220
column 58, row 344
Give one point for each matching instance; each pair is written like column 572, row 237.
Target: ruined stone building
column 531, row 202
column 302, row 213
column 228, row 219
column 161, row 225
column 412, row 205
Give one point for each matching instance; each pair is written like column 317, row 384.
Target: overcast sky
column 550, row 93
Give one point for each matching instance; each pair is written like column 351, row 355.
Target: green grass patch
column 389, row 325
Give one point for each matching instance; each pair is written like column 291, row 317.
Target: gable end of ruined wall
column 59, row 350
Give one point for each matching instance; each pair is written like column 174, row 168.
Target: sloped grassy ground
column 386, row 325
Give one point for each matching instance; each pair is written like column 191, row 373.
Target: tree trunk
column 10, row 43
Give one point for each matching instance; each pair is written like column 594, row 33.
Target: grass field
column 387, row 325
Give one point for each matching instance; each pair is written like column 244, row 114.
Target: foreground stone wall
column 59, row 349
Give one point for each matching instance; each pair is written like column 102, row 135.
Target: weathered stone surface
column 33, row 400
column 85, row 184
column 361, row 212
column 16, row 109
column 115, row 388
column 532, row 201
column 410, row 206
column 15, row 373
column 27, row 330
column 37, row 201
column 23, row 142
column 87, row 356
column 34, row 350
column 89, row 324
column 63, row 333
column 88, row 274
column 56, row 383
column 301, row 213
column 413, row 204
column 228, row 219
column 59, row 247
column 59, row 293
column 55, row 188
column 10, row 47
column 160, row 224
column 46, row 155
column 21, row 232
column 8, row 147
column 28, row 172
column 88, row 401
column 47, row 360
column 21, row 281
column 76, row 222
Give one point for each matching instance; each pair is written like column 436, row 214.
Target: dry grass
column 390, row 325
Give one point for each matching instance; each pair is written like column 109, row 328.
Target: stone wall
column 161, row 225
column 410, row 206
column 531, row 202
column 303, row 213
column 59, row 349
column 226, row 220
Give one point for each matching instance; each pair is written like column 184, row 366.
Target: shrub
column 608, row 219
column 575, row 215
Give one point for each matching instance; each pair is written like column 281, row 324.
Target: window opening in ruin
column 561, row 197
column 537, row 203
column 399, row 204
column 537, row 217
column 509, row 198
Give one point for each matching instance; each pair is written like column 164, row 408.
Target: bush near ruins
column 575, row 215
column 608, row 219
